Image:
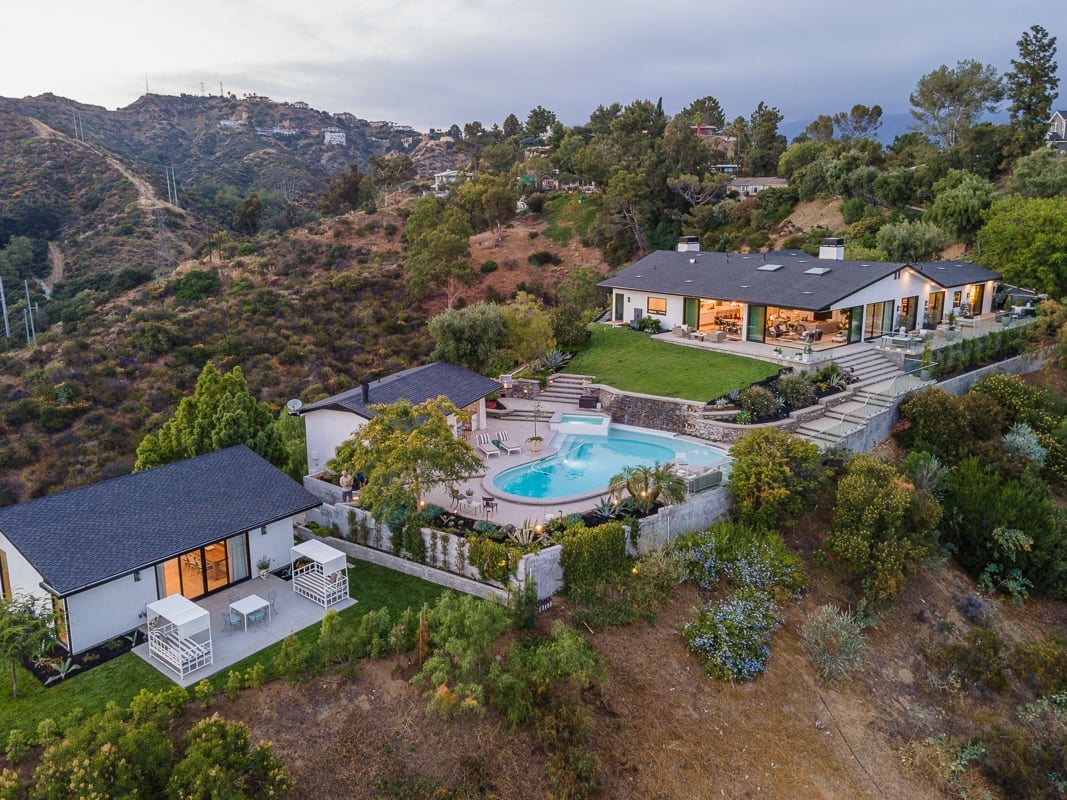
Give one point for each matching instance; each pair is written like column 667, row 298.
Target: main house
column 331, row 421
column 100, row 554
column 788, row 297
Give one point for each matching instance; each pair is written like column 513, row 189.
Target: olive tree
column 405, row 451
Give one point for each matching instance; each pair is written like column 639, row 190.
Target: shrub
column 749, row 558
column 773, row 478
column 882, row 526
column 488, row 266
column 759, row 402
column 1022, row 444
column 977, row 658
column 220, row 760
column 592, row 553
column 732, row 636
column 542, row 257
column 833, row 642
column 197, row 284
column 932, row 417
column 1041, row 667
column 796, row 390
column 18, row 744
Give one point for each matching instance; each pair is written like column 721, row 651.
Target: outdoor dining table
column 249, row 605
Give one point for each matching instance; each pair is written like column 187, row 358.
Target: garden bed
column 52, row 668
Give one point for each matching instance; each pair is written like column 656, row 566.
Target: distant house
column 330, row 422
column 334, row 136
column 750, row 187
column 444, row 181
column 100, row 554
column 1057, row 133
column 229, row 123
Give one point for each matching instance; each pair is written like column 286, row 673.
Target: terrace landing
column 293, row 613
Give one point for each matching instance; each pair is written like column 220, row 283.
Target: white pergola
column 320, row 572
column 179, row 634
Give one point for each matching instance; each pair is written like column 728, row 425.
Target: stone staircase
column 564, row 388
column 561, row 389
column 878, row 383
column 868, row 367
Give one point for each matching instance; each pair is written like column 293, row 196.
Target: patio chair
column 487, row 446
column 259, row 615
column 233, row 597
column 272, row 598
column 506, row 444
column 230, row 621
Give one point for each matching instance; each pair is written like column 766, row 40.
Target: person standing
column 346, row 487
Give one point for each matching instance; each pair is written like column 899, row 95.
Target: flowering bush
column 748, row 557
column 732, row 636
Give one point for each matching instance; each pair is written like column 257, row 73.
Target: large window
column 205, row 569
column 657, row 305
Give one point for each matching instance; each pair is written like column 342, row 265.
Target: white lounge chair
column 487, row 446
column 506, row 444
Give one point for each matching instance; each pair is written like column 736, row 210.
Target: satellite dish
column 294, row 405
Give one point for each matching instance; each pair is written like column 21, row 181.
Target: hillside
column 97, row 213
column 250, row 143
column 305, row 313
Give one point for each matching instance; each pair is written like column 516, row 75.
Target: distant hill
column 250, row 143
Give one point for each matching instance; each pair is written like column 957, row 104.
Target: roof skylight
column 816, row 270
column 769, row 267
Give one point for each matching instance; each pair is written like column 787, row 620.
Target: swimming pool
column 585, row 464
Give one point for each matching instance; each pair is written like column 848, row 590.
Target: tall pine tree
column 1031, row 86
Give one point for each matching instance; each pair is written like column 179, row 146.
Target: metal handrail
column 894, row 391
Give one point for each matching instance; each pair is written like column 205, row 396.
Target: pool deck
column 530, row 511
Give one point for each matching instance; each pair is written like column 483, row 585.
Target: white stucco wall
column 275, row 545
column 109, row 610
column 326, row 429
column 24, row 578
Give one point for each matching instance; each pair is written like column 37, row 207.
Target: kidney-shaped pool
column 584, row 465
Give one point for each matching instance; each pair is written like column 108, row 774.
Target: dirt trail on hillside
column 146, row 195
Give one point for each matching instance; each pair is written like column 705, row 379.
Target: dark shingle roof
column 955, row 273
column 416, row 385
column 85, row 536
column 738, row 277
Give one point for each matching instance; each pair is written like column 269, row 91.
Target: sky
column 432, row 63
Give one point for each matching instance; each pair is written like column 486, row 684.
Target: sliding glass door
column 205, row 569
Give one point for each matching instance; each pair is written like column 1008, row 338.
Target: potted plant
column 535, row 441
column 926, row 363
column 264, row 566
column 950, row 334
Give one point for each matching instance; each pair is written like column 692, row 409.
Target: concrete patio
column 292, row 613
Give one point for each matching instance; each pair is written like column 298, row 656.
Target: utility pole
column 31, row 331
column 3, row 303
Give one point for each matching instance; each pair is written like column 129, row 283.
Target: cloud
column 430, row 64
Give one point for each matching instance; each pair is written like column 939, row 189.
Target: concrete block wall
column 445, row 554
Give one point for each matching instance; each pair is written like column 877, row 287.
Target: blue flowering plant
column 732, row 636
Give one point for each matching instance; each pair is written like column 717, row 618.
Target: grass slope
column 634, row 362
column 120, row 679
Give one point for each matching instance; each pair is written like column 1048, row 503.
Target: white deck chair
column 506, row 444
column 487, row 446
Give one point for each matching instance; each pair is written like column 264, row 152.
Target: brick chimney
column 832, row 249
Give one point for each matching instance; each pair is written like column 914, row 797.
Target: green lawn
column 634, row 362
column 120, row 679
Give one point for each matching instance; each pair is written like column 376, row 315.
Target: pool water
column 585, row 464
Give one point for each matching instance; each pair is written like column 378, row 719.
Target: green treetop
column 221, row 413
